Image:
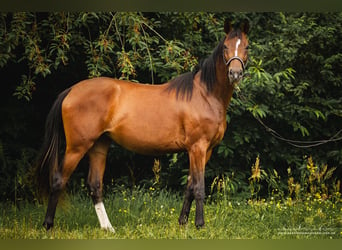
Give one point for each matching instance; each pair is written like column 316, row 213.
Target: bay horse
column 186, row 114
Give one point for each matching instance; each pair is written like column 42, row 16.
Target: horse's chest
column 220, row 132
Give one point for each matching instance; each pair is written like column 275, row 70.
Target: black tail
column 52, row 148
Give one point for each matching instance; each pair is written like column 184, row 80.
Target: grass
column 152, row 214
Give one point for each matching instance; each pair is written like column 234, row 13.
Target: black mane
column 183, row 84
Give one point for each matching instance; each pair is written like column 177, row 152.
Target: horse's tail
column 52, row 148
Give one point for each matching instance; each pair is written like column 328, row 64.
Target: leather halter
column 233, row 58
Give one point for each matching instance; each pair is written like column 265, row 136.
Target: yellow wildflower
column 311, row 166
column 256, row 171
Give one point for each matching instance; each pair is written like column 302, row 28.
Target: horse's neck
column 223, row 90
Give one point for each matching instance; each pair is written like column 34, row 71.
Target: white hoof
column 109, row 229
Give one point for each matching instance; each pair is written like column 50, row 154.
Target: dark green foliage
column 293, row 85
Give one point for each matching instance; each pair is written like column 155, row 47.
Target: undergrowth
column 308, row 208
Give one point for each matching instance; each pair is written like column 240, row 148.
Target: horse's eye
column 225, row 47
column 247, row 47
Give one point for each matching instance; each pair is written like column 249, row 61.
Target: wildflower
column 320, row 213
column 293, row 187
column 289, row 201
column 311, row 166
column 256, row 173
column 297, row 189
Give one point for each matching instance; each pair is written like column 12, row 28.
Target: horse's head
column 235, row 50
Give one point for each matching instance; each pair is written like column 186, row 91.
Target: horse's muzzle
column 235, row 75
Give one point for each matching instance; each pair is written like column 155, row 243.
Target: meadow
column 308, row 207
column 147, row 213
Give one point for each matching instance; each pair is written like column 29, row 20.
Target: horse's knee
column 199, row 196
column 198, row 189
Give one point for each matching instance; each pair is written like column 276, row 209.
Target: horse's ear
column 227, row 26
column 244, row 26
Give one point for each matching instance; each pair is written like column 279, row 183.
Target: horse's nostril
column 235, row 74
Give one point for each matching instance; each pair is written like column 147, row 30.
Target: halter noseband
column 233, row 58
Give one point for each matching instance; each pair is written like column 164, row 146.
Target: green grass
column 150, row 214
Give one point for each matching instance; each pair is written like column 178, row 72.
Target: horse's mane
column 183, row 84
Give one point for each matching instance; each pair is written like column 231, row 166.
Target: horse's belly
column 148, row 147
column 148, row 138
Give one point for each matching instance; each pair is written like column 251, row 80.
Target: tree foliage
column 291, row 90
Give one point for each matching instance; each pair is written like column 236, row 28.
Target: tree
column 292, row 84
column 294, row 87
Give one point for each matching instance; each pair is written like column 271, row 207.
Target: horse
column 186, row 114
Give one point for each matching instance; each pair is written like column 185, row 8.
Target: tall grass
column 152, row 214
column 309, row 208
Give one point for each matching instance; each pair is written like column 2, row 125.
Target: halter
column 233, row 58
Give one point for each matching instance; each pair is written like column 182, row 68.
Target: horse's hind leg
column 59, row 178
column 97, row 164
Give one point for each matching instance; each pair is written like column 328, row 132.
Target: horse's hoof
column 183, row 220
column 199, row 224
column 47, row 225
column 109, row 229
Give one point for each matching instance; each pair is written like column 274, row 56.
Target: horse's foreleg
column 198, row 156
column 58, row 181
column 189, row 197
column 97, row 162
